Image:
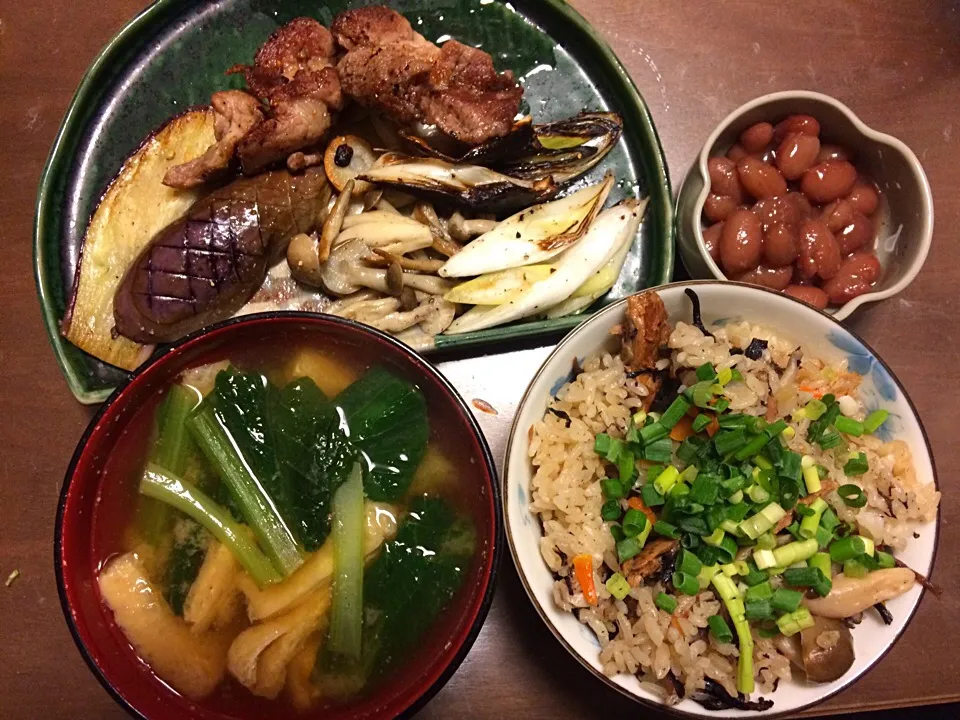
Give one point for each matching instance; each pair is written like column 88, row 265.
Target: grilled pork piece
column 391, row 68
column 204, row 267
column 648, row 563
column 645, row 333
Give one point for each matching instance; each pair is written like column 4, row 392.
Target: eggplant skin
column 205, row 266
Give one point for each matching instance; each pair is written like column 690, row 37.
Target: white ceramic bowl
column 906, row 227
column 721, row 302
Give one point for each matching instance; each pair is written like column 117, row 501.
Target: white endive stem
column 603, row 238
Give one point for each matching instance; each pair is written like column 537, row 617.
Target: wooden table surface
column 896, row 64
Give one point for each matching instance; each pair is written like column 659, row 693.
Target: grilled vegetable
column 531, row 236
column 205, row 266
column 134, row 208
column 471, row 186
column 606, row 234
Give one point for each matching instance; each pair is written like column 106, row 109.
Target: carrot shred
column 637, row 503
column 583, row 569
column 676, row 623
column 714, row 427
column 683, row 429
column 812, row 390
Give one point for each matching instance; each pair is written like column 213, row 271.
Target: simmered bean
column 780, row 244
column 855, row 276
column 856, row 234
column 756, row 137
column 819, row 251
column 797, row 124
column 828, row 181
column 837, row 215
column 724, row 179
column 736, row 152
column 759, row 179
column 797, row 154
column 864, row 198
column 809, row 294
column 718, row 207
column 790, row 209
column 768, row 277
column 741, row 242
column 832, row 152
column 711, row 240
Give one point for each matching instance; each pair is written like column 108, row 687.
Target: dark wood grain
column 896, row 64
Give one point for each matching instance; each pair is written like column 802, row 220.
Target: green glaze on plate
column 174, row 54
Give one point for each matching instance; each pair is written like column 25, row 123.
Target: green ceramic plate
column 173, row 55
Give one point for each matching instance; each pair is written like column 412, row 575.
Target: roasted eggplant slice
column 205, row 266
column 478, row 188
column 134, row 208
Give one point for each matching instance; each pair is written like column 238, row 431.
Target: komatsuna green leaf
column 387, row 422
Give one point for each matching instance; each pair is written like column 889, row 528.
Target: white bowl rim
column 926, row 228
column 508, row 530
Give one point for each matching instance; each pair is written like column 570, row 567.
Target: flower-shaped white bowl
column 906, row 228
column 722, row 302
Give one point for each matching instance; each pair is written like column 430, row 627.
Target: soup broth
column 273, row 623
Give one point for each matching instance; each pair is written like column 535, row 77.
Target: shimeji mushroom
column 345, row 273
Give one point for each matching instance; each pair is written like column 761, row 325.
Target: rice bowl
column 556, row 494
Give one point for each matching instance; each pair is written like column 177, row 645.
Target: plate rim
column 531, row 596
column 113, row 53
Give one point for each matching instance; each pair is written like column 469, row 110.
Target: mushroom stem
column 378, row 234
column 462, row 230
column 850, row 596
column 384, row 257
column 334, row 221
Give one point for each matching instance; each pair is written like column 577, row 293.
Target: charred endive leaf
column 531, row 236
column 472, row 186
column 603, row 239
column 499, row 287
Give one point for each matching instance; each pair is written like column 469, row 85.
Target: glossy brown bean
column 805, row 124
column 837, row 215
column 741, row 242
column 832, row 152
column 864, row 198
column 724, row 179
column 759, row 179
column 819, row 251
column 711, row 240
column 797, row 154
column 789, row 209
column 827, row 181
column 808, row 294
column 858, row 233
column 718, row 207
column 768, row 277
column 780, row 244
column 736, row 152
column 856, row 276
column 756, row 137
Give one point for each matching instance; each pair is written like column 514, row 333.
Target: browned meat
column 296, row 123
column 649, row 561
column 467, row 99
column 376, row 25
column 391, row 68
column 302, row 44
column 646, row 332
column 235, row 114
column 826, row 486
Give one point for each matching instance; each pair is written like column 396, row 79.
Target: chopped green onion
column 610, row 510
column 789, row 433
column 810, row 523
column 706, row 575
column 689, row 474
column 689, row 563
column 714, row 538
column 754, row 526
column 651, row 496
column 618, row 586
column 627, row 468
column 852, row 495
column 607, row 447
column 757, row 494
column 853, row 568
column 659, row 451
column 700, row 422
column 724, row 376
column 639, row 418
column 868, row 545
column 730, row 569
column 808, row 577
column 733, row 421
column 721, row 404
column 815, row 409
column 653, row 432
column 652, row 472
column 660, row 527
column 856, row 465
column 786, row 600
column 721, row 631
column 706, row 372
column 885, row 559
column 673, row 414
column 767, row 541
column 613, row 488
column 792, row 623
column 822, row 562
column 829, row 519
column 875, row 420
column 665, row 602
column 705, row 489
column 801, row 550
column 824, row 537
column 775, row 429
column 790, row 466
column 764, row 559
column 666, row 480
column 634, row 522
column 633, row 435
column 830, row 440
column 753, row 447
column 729, row 441
column 849, row 426
column 762, row 591
column 628, row 548
column 686, row 584
column 758, row 610
column 754, row 576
